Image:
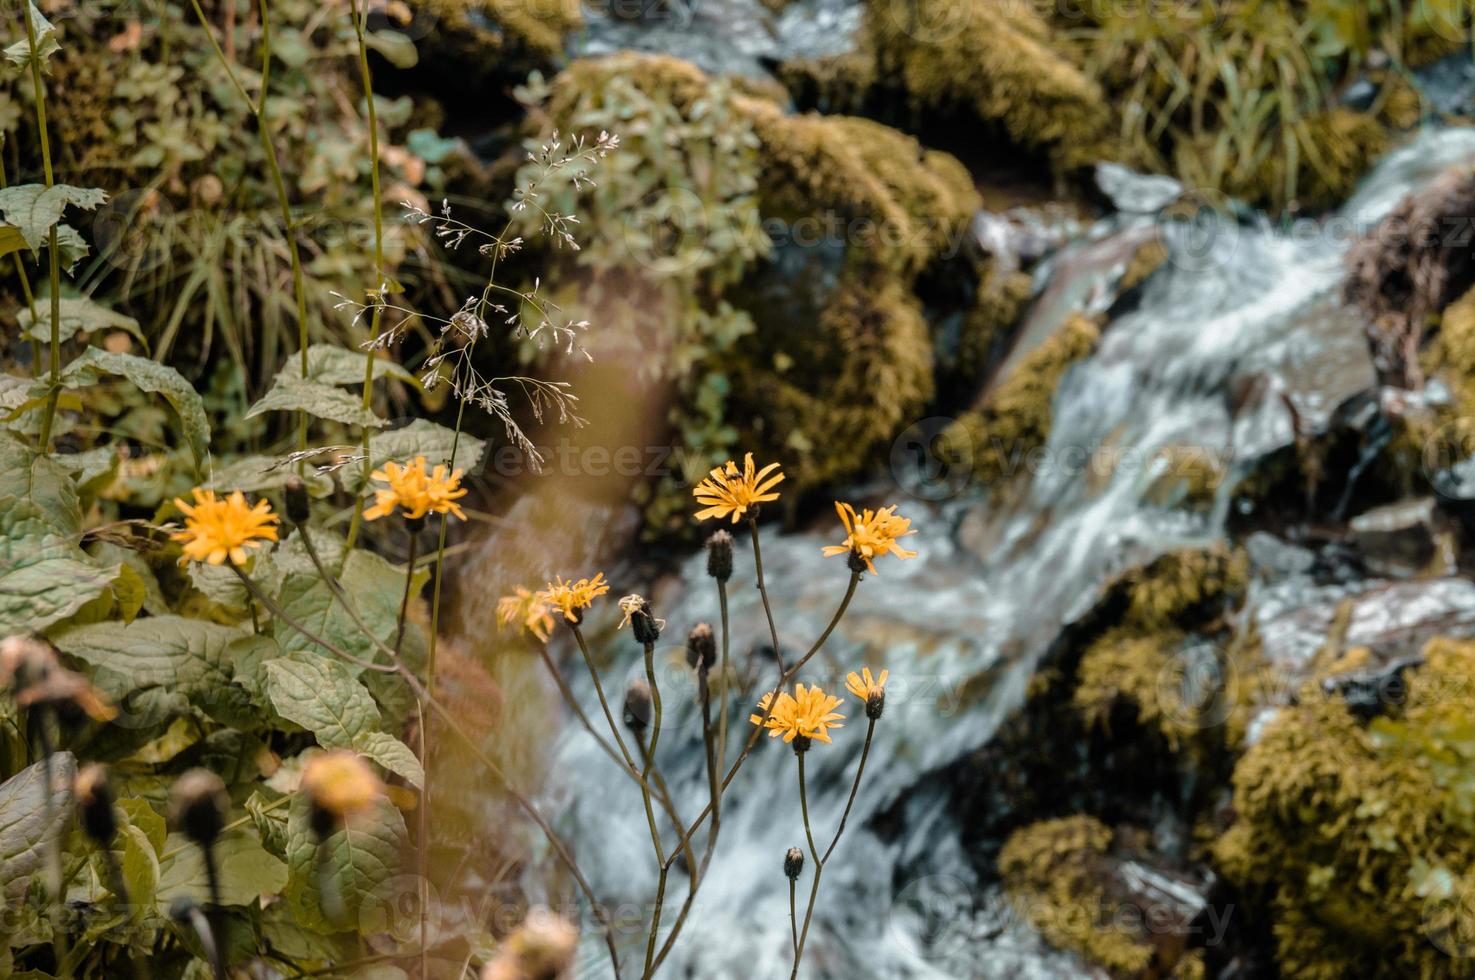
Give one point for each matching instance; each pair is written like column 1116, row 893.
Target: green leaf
column 419, row 438
column 325, row 401
column 322, row 696
column 396, row 48
column 142, row 815
column 28, row 819
column 270, row 818
column 152, row 377
column 139, row 864
column 187, row 656
column 23, row 473
column 392, row 754
column 11, row 240
column 19, row 53
column 44, row 578
column 351, row 884
column 256, row 474
column 373, row 584
column 78, row 315
column 247, row 870
column 336, row 365
column 33, row 208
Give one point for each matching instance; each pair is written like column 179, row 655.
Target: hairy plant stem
column 360, row 15
column 52, row 250
column 54, row 882
column 783, row 680
column 212, row 916
column 454, row 726
column 25, row 281
column 821, row 860
column 655, row 837
column 289, row 227
column 778, row 654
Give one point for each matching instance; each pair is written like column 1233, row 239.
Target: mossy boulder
column 1360, row 836
column 498, row 36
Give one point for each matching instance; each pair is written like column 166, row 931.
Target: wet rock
column 1449, row 84
column 1136, row 193
column 1399, row 540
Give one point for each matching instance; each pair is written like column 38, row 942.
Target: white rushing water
column 962, row 626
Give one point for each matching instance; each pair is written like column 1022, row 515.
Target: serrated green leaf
column 270, row 818
column 44, row 578
column 316, row 398
column 19, row 53
column 39, row 478
column 351, row 884
column 376, row 588
column 185, row 656
column 247, row 870
column 78, row 315
column 419, row 438
column 336, row 365
column 322, row 696
column 29, row 818
column 392, row 754
column 33, row 208
column 152, row 377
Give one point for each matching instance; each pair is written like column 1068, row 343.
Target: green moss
column 998, row 61
column 1359, row 836
column 1052, row 872
column 1336, row 148
column 488, row 28
column 1000, row 301
column 1184, row 476
column 1146, row 259
column 1014, row 418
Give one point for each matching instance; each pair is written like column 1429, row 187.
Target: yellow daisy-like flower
column 871, row 534
column 570, row 598
column 863, row 685
column 415, row 491
column 216, row 529
column 728, row 490
column 807, row 713
column 528, row 610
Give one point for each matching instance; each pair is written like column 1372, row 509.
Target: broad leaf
column 316, row 398
column 19, row 53
column 352, row 883
column 33, row 208
column 419, row 438
column 336, row 365
column 152, row 377
column 39, row 478
column 392, row 754
column 187, row 656
column 373, row 584
column 247, row 870
column 78, row 315
column 44, row 578
column 30, row 816
column 322, row 696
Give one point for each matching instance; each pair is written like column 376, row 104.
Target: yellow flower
column 340, row 783
column 571, row 597
column 726, row 490
column 216, row 529
column 863, row 685
column 528, row 610
column 871, row 534
column 415, row 491
column 807, row 713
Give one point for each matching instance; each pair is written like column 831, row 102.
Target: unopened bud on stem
column 638, row 708
column 793, row 863
column 719, row 556
column 198, row 806
column 298, row 509
column 94, row 797
column 701, row 647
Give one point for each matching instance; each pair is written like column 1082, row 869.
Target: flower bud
column 793, row 863
column 298, row 510
column 719, row 556
column 25, row 660
column 94, row 799
column 338, row 784
column 701, row 647
column 638, row 706
column 542, row 948
column 198, row 805
column 875, row 704
column 646, row 627
column 857, row 562
column 801, row 744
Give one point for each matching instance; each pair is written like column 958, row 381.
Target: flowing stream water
column 1240, row 305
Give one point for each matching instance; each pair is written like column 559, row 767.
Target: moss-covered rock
column 492, row 33
column 1337, row 147
column 1361, row 836
column 1013, row 418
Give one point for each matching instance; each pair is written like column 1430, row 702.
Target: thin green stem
column 865, row 753
column 763, row 592
column 599, row 691
column 655, row 837
column 52, row 249
column 793, row 919
column 819, row 866
column 783, row 681
column 404, row 602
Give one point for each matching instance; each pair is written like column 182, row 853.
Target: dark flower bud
column 793, row 863
column 638, row 707
column 647, row 628
column 94, row 798
column 719, row 556
column 875, row 704
column 802, row 743
column 198, row 805
column 25, row 661
column 857, row 562
column 701, row 647
column 298, row 510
